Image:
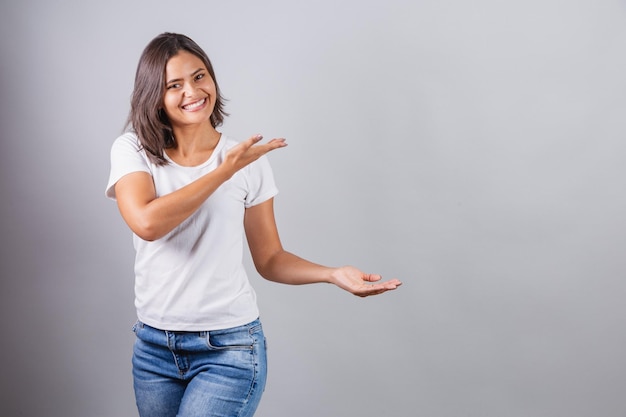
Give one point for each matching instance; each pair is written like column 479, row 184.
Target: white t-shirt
column 193, row 278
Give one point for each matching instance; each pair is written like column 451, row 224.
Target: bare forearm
column 162, row 214
column 287, row 268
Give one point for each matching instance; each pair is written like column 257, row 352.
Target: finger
column 277, row 143
column 272, row 145
column 376, row 289
column 370, row 291
column 371, row 277
column 393, row 282
column 254, row 139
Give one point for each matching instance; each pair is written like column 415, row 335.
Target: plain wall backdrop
column 475, row 150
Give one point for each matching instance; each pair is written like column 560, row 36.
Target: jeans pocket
column 233, row 339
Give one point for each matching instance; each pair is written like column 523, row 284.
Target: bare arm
column 152, row 217
column 276, row 264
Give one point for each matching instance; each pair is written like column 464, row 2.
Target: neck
column 194, row 144
column 195, row 138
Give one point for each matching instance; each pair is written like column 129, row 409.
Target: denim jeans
column 218, row 373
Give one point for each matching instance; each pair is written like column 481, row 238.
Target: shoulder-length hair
column 147, row 117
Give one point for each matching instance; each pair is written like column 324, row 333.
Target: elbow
column 261, row 266
column 268, row 266
column 146, row 230
column 148, row 237
column 263, row 271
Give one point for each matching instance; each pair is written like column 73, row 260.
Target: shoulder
column 128, row 153
column 127, row 140
column 127, row 146
column 126, row 157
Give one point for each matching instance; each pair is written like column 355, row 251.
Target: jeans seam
column 255, row 376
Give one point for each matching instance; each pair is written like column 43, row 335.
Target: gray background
column 475, row 150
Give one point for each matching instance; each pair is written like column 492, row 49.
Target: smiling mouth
column 194, row 105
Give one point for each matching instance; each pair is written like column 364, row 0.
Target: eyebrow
column 180, row 79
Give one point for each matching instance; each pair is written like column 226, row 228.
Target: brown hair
column 147, row 117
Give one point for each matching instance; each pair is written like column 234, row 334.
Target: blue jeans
column 219, row 373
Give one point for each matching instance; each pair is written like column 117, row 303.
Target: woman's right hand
column 248, row 151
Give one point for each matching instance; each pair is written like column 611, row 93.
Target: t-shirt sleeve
column 126, row 157
column 261, row 184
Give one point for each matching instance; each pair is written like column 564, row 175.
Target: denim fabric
column 218, row 373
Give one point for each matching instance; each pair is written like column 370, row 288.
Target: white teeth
column 194, row 105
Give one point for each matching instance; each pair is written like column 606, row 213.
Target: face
column 190, row 92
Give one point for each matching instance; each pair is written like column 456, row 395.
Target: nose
column 189, row 89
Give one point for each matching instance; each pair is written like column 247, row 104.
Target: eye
column 169, row 87
column 199, row 76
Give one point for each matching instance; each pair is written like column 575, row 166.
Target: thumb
column 254, row 139
column 371, row 277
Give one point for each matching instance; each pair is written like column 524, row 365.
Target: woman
column 189, row 193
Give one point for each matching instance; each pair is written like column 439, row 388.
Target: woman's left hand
column 360, row 284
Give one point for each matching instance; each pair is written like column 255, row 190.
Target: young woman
column 189, row 194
